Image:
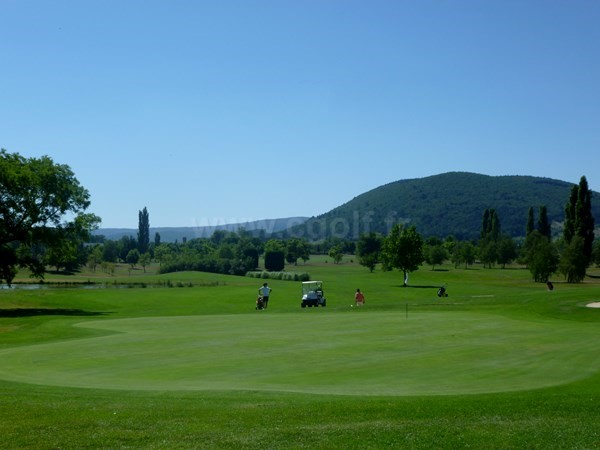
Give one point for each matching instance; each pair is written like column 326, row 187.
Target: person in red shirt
column 359, row 298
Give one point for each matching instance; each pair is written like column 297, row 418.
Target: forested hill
column 447, row 204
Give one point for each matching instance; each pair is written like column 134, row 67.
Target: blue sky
column 212, row 112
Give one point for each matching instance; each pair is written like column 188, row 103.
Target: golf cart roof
column 312, row 282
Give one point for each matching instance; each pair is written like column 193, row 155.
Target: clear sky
column 224, row 111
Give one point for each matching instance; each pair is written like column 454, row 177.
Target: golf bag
column 442, row 292
column 260, row 303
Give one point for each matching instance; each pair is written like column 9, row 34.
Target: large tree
column 403, row 250
column 572, row 261
column 507, row 250
column 541, row 256
column 463, row 252
column 435, row 255
column 295, row 249
column 368, row 249
column 36, row 195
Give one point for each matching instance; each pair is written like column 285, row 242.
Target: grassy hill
column 447, row 204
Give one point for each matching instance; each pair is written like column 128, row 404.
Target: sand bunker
column 593, row 305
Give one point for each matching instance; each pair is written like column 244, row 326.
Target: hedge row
column 287, row 276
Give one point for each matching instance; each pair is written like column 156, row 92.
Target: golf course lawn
column 345, row 354
column 185, row 361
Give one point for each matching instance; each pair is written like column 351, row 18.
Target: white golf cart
column 312, row 294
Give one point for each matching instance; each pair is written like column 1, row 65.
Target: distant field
column 500, row 363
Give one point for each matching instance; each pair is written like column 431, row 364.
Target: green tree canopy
column 541, row 256
column 403, row 250
column 507, row 250
column 336, row 254
column 435, row 255
column 573, row 261
column 144, row 260
column 368, row 249
column 133, row 257
column 296, row 249
column 275, row 245
column 36, row 195
column 463, row 252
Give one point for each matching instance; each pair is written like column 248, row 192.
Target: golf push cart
column 312, row 294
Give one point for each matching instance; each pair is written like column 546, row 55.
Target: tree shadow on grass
column 31, row 312
column 412, row 286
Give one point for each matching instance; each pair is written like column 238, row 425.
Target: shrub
column 286, row 276
column 274, row 261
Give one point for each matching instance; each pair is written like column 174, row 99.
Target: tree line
column 37, row 194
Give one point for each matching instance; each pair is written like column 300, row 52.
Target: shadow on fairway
column 412, row 286
column 30, row 312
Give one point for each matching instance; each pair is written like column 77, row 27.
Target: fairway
column 319, row 352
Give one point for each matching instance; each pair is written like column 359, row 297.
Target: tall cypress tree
column 579, row 220
column 584, row 220
column 530, row 222
column 490, row 225
column 543, row 225
column 485, row 224
column 569, row 225
column 143, row 231
column 494, row 225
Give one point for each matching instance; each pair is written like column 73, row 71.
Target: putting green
column 322, row 353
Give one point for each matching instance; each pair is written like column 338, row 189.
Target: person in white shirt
column 264, row 291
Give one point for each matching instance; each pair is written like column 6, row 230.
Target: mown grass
column 554, row 406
